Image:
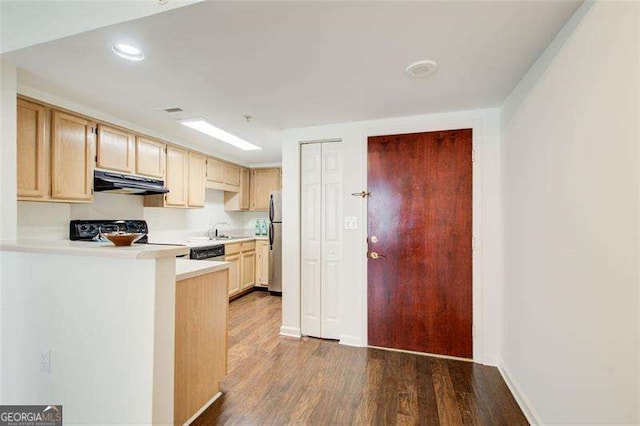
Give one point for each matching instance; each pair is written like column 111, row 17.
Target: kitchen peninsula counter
column 94, row 249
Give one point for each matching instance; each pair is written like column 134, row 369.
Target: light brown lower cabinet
column 242, row 271
column 200, row 342
column 234, row 273
column 248, row 263
column 262, row 263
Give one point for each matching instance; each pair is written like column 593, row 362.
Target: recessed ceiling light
column 127, row 51
column 421, row 69
column 204, row 126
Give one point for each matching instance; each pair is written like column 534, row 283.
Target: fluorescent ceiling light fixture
column 127, row 51
column 204, row 126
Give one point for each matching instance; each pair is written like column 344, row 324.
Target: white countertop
column 203, row 241
column 187, row 268
column 90, row 248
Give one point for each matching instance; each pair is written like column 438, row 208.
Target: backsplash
column 51, row 220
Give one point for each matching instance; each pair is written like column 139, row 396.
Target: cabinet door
column 215, row 170
column 234, row 273
column 248, row 269
column 197, row 171
column 262, row 263
column 263, row 183
column 115, row 149
column 72, row 153
column 31, row 150
column 177, row 177
column 244, row 189
column 150, row 159
column 232, row 176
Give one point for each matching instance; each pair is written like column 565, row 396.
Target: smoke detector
column 421, row 69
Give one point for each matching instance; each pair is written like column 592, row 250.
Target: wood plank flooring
column 275, row 380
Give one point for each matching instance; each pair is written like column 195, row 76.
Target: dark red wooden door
column 419, row 210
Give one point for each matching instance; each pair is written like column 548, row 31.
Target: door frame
column 476, row 210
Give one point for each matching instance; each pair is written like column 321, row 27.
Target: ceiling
column 296, row 64
column 27, row 22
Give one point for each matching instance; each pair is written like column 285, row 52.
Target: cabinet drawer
column 249, row 245
column 232, row 248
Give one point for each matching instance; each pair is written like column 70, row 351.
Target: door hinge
column 95, row 159
column 473, row 243
column 473, row 155
column 473, row 331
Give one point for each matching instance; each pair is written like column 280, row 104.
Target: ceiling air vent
column 171, row 110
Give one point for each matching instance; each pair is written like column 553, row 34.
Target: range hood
column 126, row 184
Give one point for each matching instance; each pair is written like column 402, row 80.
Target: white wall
column 51, row 220
column 8, row 162
column 110, row 337
column 487, row 221
column 571, row 324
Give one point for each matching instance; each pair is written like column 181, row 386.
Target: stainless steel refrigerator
column 275, row 242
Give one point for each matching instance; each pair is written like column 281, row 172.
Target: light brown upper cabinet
column 263, row 183
column 197, row 172
column 215, row 170
column 150, row 160
column 245, row 177
column 115, row 149
column 232, row 176
column 32, row 158
column 72, row 155
column 239, row 201
column 177, row 177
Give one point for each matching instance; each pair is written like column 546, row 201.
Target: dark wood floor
column 276, row 380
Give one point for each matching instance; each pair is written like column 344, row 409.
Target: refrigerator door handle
column 271, row 208
column 271, row 236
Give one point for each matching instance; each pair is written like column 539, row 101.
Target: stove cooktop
column 89, row 230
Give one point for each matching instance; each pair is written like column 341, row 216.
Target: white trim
column 525, row 405
column 405, row 351
column 351, row 341
column 201, row 410
column 290, row 332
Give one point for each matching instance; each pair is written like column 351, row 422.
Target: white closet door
column 331, row 239
column 311, row 238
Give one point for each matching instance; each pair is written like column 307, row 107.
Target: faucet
column 213, row 231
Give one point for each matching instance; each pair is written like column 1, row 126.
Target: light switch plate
column 350, row 222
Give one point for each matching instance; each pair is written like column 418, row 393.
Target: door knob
column 374, row 255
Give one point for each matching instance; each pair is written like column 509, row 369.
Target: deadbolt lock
column 374, row 239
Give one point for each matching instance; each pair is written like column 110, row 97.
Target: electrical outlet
column 45, row 362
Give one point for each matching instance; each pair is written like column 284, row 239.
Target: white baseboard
column 524, row 403
column 204, row 407
column 290, row 332
column 351, row 341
